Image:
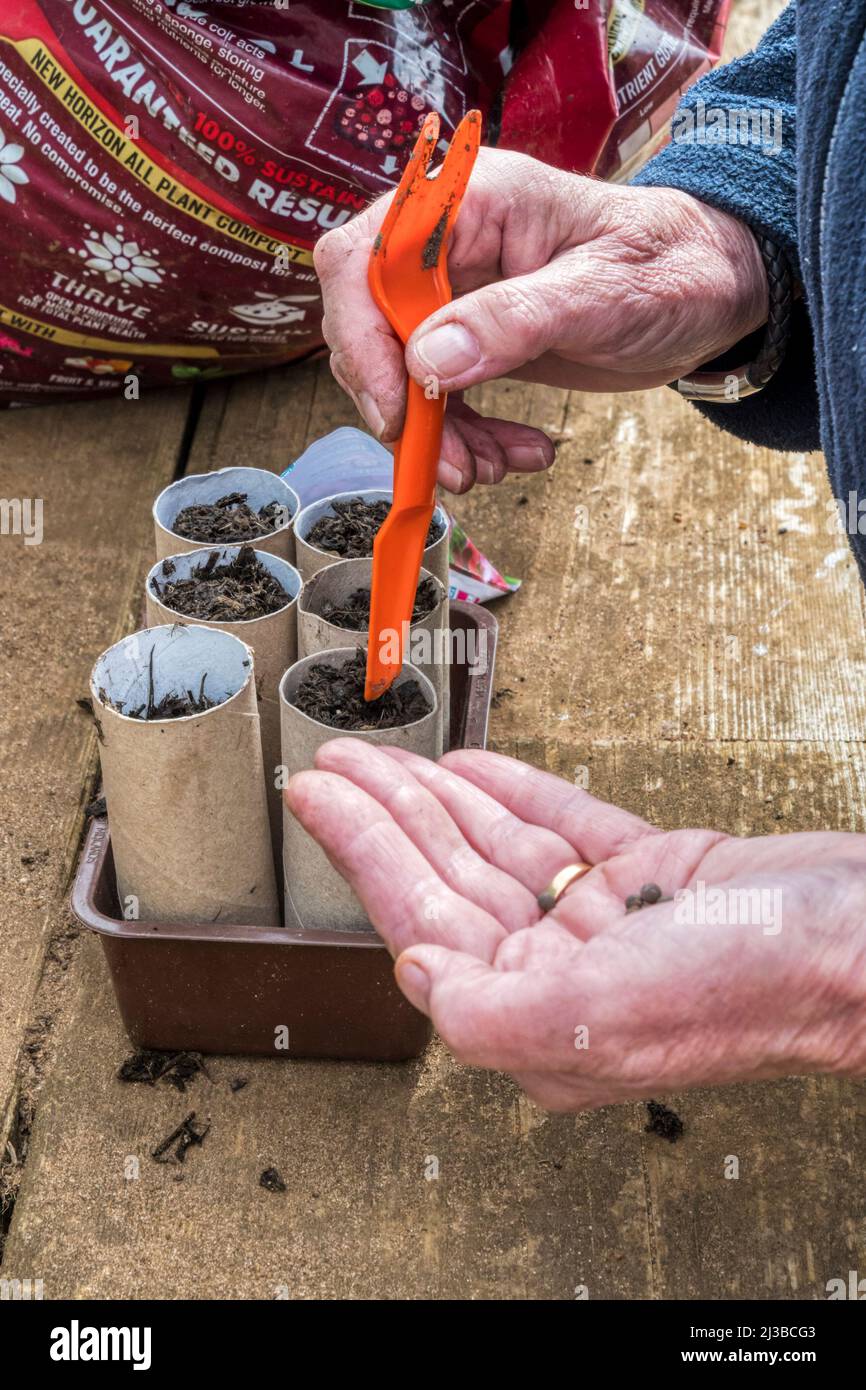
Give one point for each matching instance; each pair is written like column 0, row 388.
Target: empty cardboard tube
column 273, row 639
column 197, row 489
column 316, row 896
column 186, row 797
column 309, row 559
column 427, row 644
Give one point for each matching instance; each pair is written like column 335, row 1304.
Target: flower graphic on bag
column 10, row 174
column 119, row 260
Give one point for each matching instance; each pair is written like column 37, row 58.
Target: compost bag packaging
column 166, row 167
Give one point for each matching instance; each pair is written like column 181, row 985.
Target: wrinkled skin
column 448, row 858
column 577, row 284
column 559, row 279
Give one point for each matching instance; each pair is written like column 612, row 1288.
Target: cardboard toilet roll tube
column 309, row 559
column 186, row 797
column 316, row 896
column 273, row 639
column 427, row 645
column 197, row 489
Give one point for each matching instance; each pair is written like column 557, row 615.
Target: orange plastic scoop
column 409, row 281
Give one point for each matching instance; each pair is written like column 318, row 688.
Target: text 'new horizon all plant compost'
column 166, row 168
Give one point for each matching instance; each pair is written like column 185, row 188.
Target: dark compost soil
column 663, row 1121
column 352, row 528
column 272, row 1180
column 433, row 245
column 228, row 519
column 229, row 593
column 177, row 1068
column 173, row 1148
column 334, row 695
column 354, row 612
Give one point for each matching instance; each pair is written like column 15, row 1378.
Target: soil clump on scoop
column 664, row 1122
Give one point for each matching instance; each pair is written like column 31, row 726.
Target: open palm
column 754, row 966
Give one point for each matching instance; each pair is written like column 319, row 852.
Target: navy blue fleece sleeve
column 734, row 147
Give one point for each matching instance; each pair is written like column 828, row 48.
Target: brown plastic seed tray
column 219, row 988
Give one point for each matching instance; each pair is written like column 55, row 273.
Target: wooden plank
column 95, row 468
column 664, row 600
column 267, row 420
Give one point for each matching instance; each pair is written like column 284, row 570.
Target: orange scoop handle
column 404, row 530
column 408, row 276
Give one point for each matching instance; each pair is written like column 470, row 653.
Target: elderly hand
column 560, row 279
column 759, row 973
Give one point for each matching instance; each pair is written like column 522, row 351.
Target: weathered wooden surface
column 669, row 639
column 95, row 469
column 266, row 420
column 702, row 582
column 630, row 651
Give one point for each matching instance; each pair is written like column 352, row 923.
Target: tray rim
column 97, row 843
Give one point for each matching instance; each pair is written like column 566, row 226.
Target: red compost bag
column 593, row 85
column 167, row 167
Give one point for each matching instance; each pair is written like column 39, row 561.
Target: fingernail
column 448, row 351
column 415, row 984
column 450, row 477
column 527, row 458
column 371, row 413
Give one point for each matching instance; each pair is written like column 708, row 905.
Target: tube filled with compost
column 180, row 746
column 334, row 611
column 322, row 697
column 253, row 595
column 343, row 527
column 229, row 507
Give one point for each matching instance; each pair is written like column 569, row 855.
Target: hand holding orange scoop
column 409, row 281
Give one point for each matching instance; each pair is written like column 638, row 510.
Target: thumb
column 490, row 332
column 481, row 1014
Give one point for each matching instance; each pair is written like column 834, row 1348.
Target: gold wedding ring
column 560, row 884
